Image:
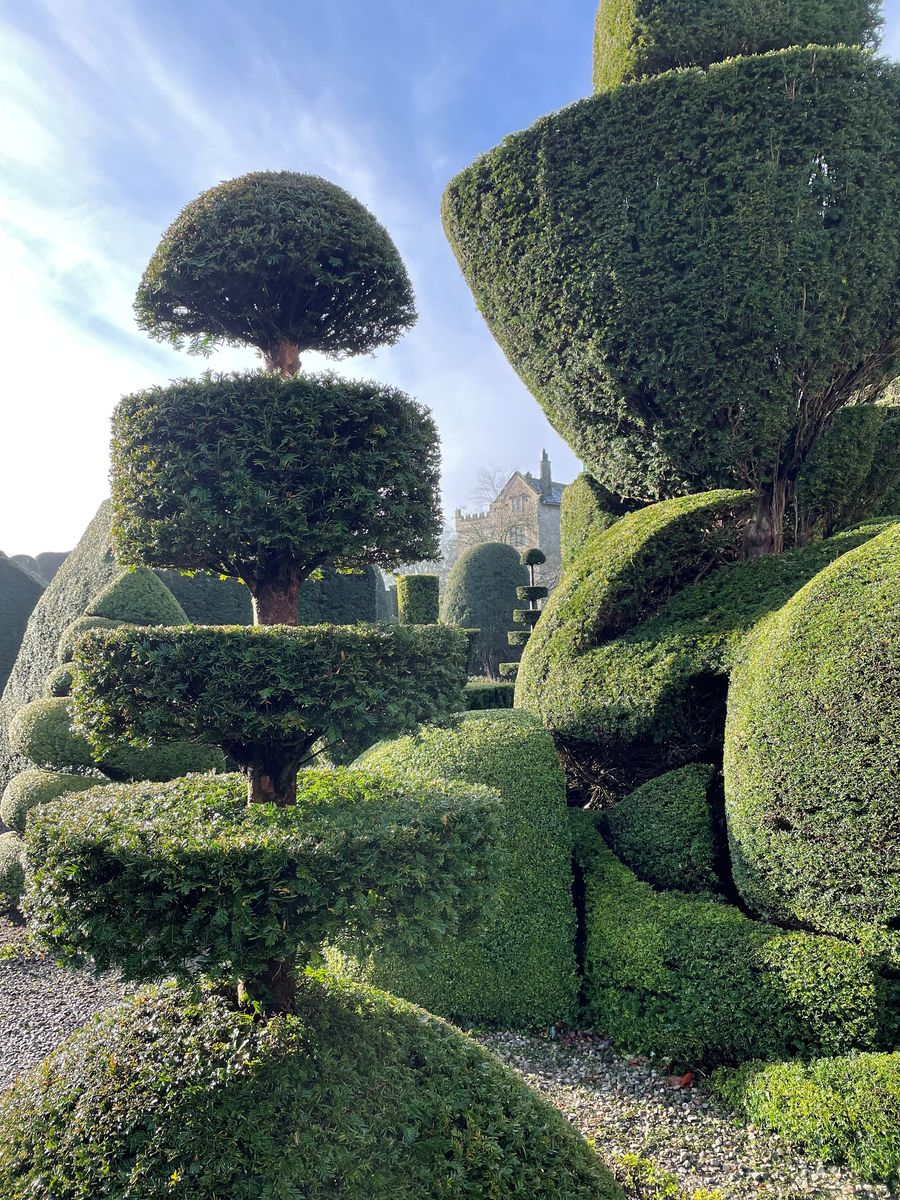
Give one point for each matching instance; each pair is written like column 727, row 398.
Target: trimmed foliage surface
column 12, row 874
column 187, row 877
column 59, row 681
column 340, row 597
column 238, row 686
column 30, row 788
column 140, row 597
column 65, row 650
column 19, row 593
column 518, row 968
column 481, row 594
column 635, row 38
column 586, row 508
column 360, row 1096
column 812, row 759
column 664, row 830
column 695, row 981
column 488, row 693
column 308, row 469
column 638, row 254
column 276, row 256
column 417, row 599
column 209, row 600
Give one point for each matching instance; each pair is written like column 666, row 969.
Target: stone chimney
column 546, row 477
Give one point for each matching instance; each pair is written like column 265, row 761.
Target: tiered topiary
column 265, row 1085
column 532, row 592
column 694, row 270
column 418, row 599
column 480, row 594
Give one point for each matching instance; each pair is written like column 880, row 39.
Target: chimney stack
column 546, row 479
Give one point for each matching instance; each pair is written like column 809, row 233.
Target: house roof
column 556, row 489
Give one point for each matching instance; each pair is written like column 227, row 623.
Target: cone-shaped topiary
column 140, row 597
column 281, row 261
column 480, row 594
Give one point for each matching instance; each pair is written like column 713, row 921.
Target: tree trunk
column 272, row 776
column 275, row 600
column 283, row 357
column 275, row 987
column 765, row 533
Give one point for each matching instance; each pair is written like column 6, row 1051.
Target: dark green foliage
column 267, row 686
column 844, row 1110
column 12, row 875
column 586, row 508
column 200, row 881
column 664, row 830
column 140, row 597
column 302, row 470
column 167, row 760
column 30, row 566
column 50, row 561
column 489, row 693
column 518, row 968
column 59, row 681
column 812, row 756
column 636, row 38
column 276, row 256
column 417, row 599
column 696, row 982
column 359, row 1097
column 853, row 469
column 42, row 733
column 65, row 650
column 340, row 597
column 534, row 594
column 480, row 594
column 30, row 788
column 640, row 255
column 209, row 600
column 19, row 593
column 533, row 557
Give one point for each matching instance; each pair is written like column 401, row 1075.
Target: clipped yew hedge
column 28, row 789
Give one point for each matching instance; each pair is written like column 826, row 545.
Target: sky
column 115, row 113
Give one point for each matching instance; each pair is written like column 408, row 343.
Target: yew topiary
column 480, row 594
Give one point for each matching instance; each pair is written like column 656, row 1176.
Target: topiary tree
column 480, row 594
column 534, row 594
column 281, row 261
column 418, row 600
column 695, row 272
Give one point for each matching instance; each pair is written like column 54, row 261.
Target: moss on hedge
column 519, row 968
column 844, row 1110
column 812, row 757
column 694, row 981
column 28, row 789
column 19, row 593
column 664, row 830
column 359, row 1096
column 12, row 873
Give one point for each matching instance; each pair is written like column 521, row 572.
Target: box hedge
column 489, row 693
column 28, row 789
column 586, row 508
column 518, row 967
column 418, row 599
column 358, row 1096
column 695, row 982
column 812, row 758
column 664, row 830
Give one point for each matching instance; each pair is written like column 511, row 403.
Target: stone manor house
column 525, row 513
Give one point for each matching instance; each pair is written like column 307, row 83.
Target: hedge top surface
column 812, row 754
column 636, row 38
column 140, row 597
column 358, row 1097
column 638, row 254
column 187, row 878
column 244, row 474
column 276, row 256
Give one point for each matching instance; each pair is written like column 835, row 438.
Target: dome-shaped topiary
column 281, row 261
column 358, row 1097
column 812, row 757
column 28, row 789
column 481, row 594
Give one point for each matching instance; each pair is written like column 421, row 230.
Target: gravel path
column 627, row 1107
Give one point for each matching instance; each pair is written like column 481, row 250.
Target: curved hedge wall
column 696, row 982
column 812, row 757
column 586, row 508
column 359, row 1096
column 637, row 254
column 19, row 593
column 518, row 967
column 481, row 594
column 636, row 38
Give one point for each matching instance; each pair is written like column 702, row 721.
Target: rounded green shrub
column 42, row 732
column 140, row 597
column 19, row 593
column 696, row 982
column 12, row 872
column 636, row 38
column 235, row 885
column 812, row 757
column 59, row 681
column 639, row 254
column 28, row 789
column 518, row 967
column 664, row 830
column 275, row 257
column 481, row 594
column 417, row 599
column 844, row 1110
column 65, row 650
column 359, row 1096
column 586, row 508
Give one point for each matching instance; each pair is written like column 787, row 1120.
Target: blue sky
column 115, row 113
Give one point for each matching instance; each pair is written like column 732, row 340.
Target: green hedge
column 209, row 600
column 812, row 756
column 30, row 788
column 664, row 830
column 638, row 254
column 339, row 598
column 185, row 877
column 59, row 681
column 65, row 650
column 486, row 693
column 480, row 595
column 12, row 875
column 140, row 597
column 418, row 599
column 358, row 1097
column 19, row 593
column 239, row 686
column 518, row 968
column 636, row 38
column 586, row 508
column 844, row 1110
column 694, row 981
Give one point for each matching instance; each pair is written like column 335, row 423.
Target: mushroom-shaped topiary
column 281, row 261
